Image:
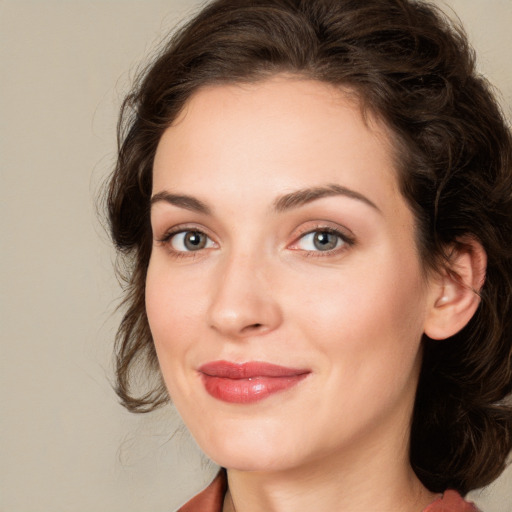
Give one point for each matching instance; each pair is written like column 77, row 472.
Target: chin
column 248, row 448
column 252, row 460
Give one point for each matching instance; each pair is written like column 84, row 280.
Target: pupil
column 194, row 240
column 325, row 241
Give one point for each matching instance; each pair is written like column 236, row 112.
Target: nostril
column 253, row 327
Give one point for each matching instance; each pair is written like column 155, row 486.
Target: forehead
column 283, row 133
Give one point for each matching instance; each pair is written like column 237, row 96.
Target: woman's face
column 284, row 293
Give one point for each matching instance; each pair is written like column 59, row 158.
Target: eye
column 189, row 241
column 322, row 240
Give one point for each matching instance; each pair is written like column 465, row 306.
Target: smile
column 248, row 382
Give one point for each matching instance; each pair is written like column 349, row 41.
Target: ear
column 455, row 291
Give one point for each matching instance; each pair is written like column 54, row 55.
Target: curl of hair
column 415, row 70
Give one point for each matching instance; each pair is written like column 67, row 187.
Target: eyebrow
column 182, row 201
column 307, row 195
column 283, row 203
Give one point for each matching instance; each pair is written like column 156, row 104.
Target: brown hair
column 415, row 70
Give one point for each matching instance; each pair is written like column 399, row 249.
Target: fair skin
column 246, row 268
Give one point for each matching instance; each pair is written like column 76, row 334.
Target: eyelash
column 346, row 241
column 166, row 241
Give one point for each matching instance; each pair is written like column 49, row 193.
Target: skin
column 261, row 291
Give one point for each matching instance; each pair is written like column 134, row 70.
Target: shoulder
column 210, row 499
column 451, row 501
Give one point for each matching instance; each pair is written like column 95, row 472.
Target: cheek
column 173, row 306
column 382, row 291
column 367, row 326
column 372, row 314
column 174, row 300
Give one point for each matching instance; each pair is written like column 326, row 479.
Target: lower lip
column 245, row 391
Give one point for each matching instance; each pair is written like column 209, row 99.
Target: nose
column 242, row 301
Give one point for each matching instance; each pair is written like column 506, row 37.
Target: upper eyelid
column 311, row 227
column 333, row 227
column 166, row 241
column 180, row 228
column 183, row 233
column 345, row 239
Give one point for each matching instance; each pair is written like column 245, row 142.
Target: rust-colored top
column 212, row 499
column 451, row 501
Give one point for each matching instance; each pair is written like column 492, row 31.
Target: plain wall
column 66, row 444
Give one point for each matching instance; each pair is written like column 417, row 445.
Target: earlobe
column 455, row 292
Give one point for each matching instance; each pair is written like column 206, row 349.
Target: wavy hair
column 414, row 69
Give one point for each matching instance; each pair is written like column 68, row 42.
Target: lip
column 248, row 382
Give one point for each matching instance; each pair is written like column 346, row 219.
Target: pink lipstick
column 248, row 382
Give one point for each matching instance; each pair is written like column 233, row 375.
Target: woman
column 314, row 199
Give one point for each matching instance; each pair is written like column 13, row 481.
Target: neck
column 379, row 488
column 367, row 476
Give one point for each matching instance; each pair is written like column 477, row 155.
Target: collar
column 211, row 499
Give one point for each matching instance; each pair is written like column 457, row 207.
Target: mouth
column 248, row 382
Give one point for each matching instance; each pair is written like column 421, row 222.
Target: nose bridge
column 243, row 302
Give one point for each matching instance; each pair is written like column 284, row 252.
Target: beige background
column 65, row 443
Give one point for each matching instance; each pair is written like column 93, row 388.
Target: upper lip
column 252, row 369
